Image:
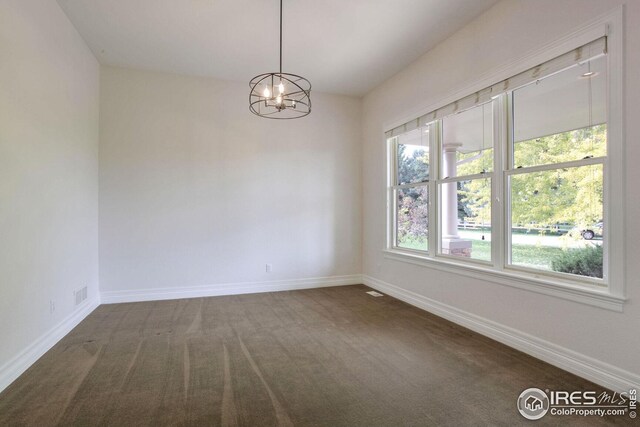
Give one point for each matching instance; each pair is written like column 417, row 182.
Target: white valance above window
column 579, row 55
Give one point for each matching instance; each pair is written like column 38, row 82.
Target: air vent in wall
column 81, row 295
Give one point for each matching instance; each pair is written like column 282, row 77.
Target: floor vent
column 375, row 294
column 81, row 295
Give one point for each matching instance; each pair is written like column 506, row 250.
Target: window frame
column 440, row 180
column 508, row 219
column 392, row 193
column 609, row 292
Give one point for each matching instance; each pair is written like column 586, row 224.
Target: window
column 512, row 178
column 410, row 189
column 556, row 176
column 466, row 166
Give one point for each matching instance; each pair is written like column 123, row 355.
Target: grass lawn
column 523, row 255
column 410, row 242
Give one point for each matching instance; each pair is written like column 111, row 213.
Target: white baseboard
column 586, row 367
column 15, row 367
column 112, row 297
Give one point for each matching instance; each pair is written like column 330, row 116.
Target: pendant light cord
column 269, row 96
column 280, row 37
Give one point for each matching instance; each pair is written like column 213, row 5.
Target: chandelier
column 280, row 95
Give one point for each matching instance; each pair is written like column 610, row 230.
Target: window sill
column 584, row 294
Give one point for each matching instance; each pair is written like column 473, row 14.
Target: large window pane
column 413, row 157
column 562, row 147
column 561, row 118
column 467, row 142
column 412, row 218
column 466, row 219
column 556, row 219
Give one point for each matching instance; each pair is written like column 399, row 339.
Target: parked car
column 593, row 231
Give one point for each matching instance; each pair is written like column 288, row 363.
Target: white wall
column 197, row 191
column 49, row 86
column 505, row 32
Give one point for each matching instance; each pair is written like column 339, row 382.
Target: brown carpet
column 319, row 357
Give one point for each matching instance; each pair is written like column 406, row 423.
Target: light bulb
column 267, row 92
column 279, row 99
column 281, row 87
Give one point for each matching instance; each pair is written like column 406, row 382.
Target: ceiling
column 342, row 46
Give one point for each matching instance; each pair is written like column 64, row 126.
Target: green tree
column 564, row 196
column 568, row 195
column 414, row 167
column 413, row 218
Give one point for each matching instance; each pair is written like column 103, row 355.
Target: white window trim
column 584, row 291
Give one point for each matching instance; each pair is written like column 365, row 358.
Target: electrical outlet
column 268, row 268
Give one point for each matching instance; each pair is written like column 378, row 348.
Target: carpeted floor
column 319, row 357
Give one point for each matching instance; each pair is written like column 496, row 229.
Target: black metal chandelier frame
column 275, row 102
